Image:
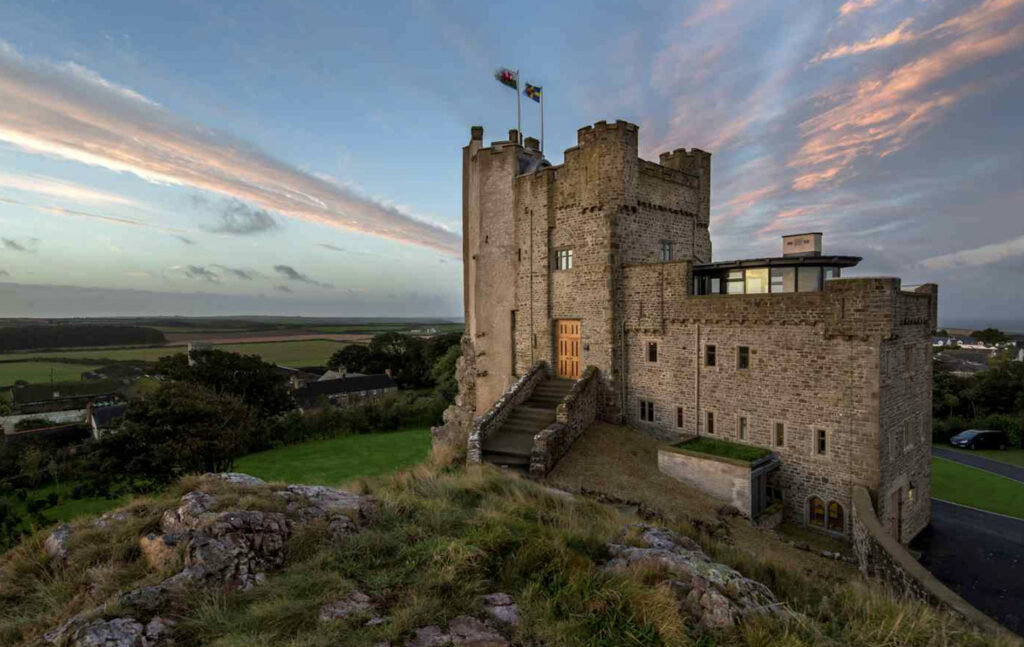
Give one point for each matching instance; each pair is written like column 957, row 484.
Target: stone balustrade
column 491, row 421
column 577, row 411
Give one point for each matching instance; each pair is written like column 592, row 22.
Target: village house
column 591, row 285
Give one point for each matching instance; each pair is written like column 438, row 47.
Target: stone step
column 505, row 459
column 547, row 389
column 539, row 416
column 543, row 402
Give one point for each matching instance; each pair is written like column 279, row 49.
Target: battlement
column 691, row 161
column 592, row 133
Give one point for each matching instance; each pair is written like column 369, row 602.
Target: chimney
column 808, row 244
column 513, row 136
column 476, row 133
column 532, row 143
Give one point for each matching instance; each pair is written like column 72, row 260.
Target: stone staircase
column 512, row 443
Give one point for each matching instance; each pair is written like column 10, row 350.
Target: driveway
column 980, row 556
column 987, row 464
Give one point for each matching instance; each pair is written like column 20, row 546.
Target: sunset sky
column 304, row 157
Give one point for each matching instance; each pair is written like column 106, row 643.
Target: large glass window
column 783, row 279
column 808, row 279
column 734, row 282
column 757, row 281
column 831, row 273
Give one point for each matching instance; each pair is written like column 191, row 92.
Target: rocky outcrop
column 714, row 594
column 352, row 604
column 458, row 418
column 501, row 607
column 463, row 631
column 229, row 549
column 56, row 545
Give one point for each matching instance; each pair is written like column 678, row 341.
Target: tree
column 403, row 355
column 443, row 374
column 182, row 428
column 254, row 381
column 353, row 358
column 990, row 336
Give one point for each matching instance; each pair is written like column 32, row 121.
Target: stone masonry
column 850, row 359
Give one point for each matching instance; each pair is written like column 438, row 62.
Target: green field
column 977, row 488
column 68, row 509
column 336, row 460
column 1011, row 456
column 40, row 371
column 313, row 352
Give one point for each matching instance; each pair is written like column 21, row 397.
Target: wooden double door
column 567, row 343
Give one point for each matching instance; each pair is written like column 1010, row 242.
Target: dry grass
column 622, row 463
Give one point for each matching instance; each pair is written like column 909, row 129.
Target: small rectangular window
column 709, row 355
column 646, row 411
column 780, row 435
column 709, row 427
column 743, row 357
column 907, row 437
column 734, row 282
column 652, row 351
column 820, row 442
column 741, row 428
column 666, row 251
column 679, row 417
column 563, row 259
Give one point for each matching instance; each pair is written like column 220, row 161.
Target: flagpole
column 542, row 93
column 519, row 115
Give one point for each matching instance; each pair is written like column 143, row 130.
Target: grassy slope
column 977, row 488
column 439, row 540
column 336, row 460
column 1011, row 456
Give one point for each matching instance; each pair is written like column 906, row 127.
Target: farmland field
column 36, row 367
column 40, row 371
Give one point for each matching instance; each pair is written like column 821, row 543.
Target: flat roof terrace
column 781, row 274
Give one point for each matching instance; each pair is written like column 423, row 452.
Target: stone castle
column 599, row 272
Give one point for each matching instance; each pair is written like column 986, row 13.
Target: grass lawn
column 40, row 371
column 977, row 488
column 68, row 509
column 1011, row 456
column 336, row 460
column 723, row 448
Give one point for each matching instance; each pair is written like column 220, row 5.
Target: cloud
column 186, row 240
column 853, row 6
column 27, row 247
column 984, row 255
column 245, row 275
column 201, row 273
column 63, row 190
column 878, row 114
column 902, row 34
column 292, row 274
column 4, row 272
column 283, row 288
column 70, row 112
column 332, row 247
column 77, row 213
column 239, row 218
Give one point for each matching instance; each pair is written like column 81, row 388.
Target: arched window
column 816, row 512
column 836, row 519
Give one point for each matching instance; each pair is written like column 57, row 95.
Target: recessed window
column 774, row 493
column 808, row 279
column 652, row 351
column 563, row 259
column 816, row 512
column 666, row 251
column 757, row 281
column 679, row 417
column 741, row 428
column 709, row 422
column 779, row 437
column 836, row 519
column 709, row 355
column 743, row 357
column 907, row 436
column 646, row 411
column 783, row 279
column 820, row 442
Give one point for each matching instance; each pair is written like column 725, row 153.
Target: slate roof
column 350, row 384
column 103, row 416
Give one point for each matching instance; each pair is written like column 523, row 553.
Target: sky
column 304, row 158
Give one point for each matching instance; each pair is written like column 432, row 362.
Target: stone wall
column 577, row 411
column 721, row 477
column 492, row 420
column 882, row 557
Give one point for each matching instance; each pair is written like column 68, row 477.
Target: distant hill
column 40, row 336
